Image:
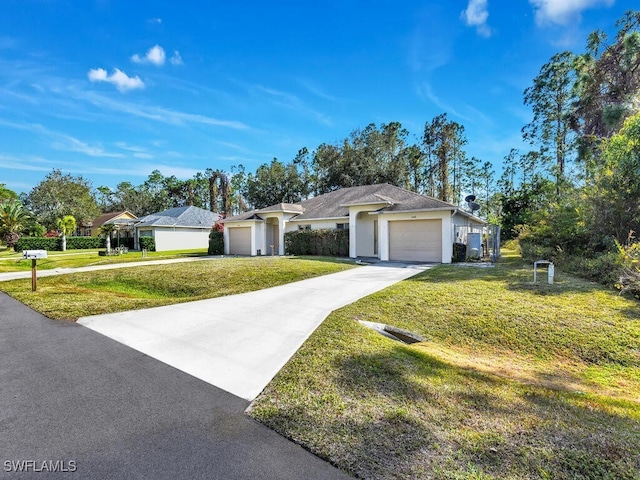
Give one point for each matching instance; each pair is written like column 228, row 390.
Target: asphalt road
column 72, row 399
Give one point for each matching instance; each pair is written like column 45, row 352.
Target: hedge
column 149, row 243
column 216, row 243
column 81, row 243
column 38, row 243
column 327, row 242
column 55, row 243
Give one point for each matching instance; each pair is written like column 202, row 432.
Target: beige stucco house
column 384, row 221
column 122, row 220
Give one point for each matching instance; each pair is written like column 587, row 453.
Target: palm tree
column 66, row 225
column 107, row 229
column 13, row 218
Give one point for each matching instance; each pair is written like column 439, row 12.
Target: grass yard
column 514, row 381
column 75, row 295
column 11, row 261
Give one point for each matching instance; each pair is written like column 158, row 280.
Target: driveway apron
column 77, row 405
column 238, row 343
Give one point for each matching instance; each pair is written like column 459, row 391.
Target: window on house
column 342, row 226
column 304, row 227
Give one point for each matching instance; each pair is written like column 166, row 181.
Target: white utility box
column 34, row 254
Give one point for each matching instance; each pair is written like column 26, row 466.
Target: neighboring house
column 122, row 220
column 384, row 221
column 177, row 228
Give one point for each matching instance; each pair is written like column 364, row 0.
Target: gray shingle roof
column 181, row 217
column 390, row 198
column 336, row 204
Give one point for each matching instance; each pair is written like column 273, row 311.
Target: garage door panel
column 240, row 241
column 415, row 240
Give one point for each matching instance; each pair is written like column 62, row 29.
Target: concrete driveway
column 238, row 343
column 74, row 404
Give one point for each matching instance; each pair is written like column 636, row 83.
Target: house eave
column 317, row 219
column 297, row 212
column 362, row 204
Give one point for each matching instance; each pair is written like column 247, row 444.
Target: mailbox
column 34, row 254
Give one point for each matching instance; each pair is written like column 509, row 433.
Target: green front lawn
column 80, row 294
column 11, row 261
column 514, row 381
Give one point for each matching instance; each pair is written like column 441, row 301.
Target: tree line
column 573, row 194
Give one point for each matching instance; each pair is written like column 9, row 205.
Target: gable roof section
column 110, row 218
column 180, row 217
column 387, row 198
column 336, row 204
column 255, row 214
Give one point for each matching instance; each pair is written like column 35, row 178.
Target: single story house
column 123, row 220
column 384, row 221
column 177, row 228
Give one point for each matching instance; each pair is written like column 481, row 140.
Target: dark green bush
column 39, row 243
column 79, row 243
column 149, row 243
column 327, row 242
column 55, row 243
column 216, row 243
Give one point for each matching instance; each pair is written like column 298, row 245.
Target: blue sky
column 115, row 89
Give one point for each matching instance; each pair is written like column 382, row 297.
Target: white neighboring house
column 177, row 228
column 384, row 221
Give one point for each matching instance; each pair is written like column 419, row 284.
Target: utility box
column 34, row 254
column 550, row 270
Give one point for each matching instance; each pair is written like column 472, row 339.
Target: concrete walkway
column 239, row 342
column 6, row 276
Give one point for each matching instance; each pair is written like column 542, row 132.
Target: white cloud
column 176, row 59
column 476, row 15
column 289, row 101
column 72, row 144
column 155, row 20
column 563, row 11
column 154, row 55
column 163, row 115
column 425, row 92
column 121, row 80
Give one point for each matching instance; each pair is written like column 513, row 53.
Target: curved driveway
column 238, row 343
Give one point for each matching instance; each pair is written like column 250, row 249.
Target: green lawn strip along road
column 81, row 294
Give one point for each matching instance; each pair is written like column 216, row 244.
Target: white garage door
column 415, row 240
column 240, row 241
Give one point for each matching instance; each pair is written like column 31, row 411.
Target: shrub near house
column 216, row 240
column 330, row 242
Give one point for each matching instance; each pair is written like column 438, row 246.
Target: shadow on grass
column 424, row 412
column 340, row 260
